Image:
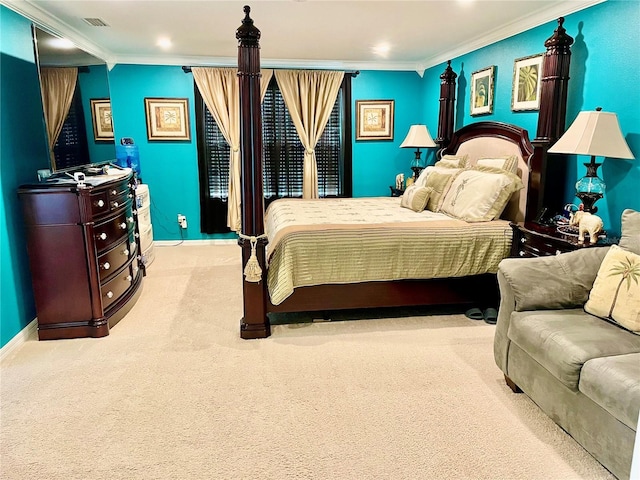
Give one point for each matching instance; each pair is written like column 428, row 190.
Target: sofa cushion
column 614, row 384
column 563, row 340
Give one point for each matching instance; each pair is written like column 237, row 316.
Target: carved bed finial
column 247, row 33
column 448, row 73
column 559, row 41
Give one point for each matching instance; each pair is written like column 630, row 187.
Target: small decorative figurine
column 400, row 181
column 587, row 222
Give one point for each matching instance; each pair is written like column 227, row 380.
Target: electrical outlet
column 182, row 221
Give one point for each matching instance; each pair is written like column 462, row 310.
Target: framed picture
column 527, row 72
column 101, row 119
column 167, row 118
column 482, row 86
column 374, row 119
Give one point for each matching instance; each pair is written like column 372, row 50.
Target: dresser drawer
column 538, row 246
column 112, row 260
column 113, row 229
column 116, row 287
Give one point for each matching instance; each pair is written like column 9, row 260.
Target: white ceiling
column 295, row 33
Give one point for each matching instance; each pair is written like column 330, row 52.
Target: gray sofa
column 581, row 370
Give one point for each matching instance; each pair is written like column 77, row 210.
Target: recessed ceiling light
column 382, row 49
column 61, row 43
column 164, row 43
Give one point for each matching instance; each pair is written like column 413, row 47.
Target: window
column 282, row 155
column 71, row 148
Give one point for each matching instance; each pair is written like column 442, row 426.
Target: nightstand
column 535, row 240
column 395, row 192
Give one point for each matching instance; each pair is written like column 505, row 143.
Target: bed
column 291, row 280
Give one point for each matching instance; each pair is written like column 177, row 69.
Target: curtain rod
column 353, row 73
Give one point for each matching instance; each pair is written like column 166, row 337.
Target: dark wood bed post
column 255, row 323
column 447, row 106
column 543, row 191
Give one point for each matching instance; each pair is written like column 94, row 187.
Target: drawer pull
column 115, row 204
column 129, row 278
column 137, row 235
column 125, row 252
column 130, row 219
column 100, row 203
column 109, row 294
column 123, row 225
column 523, row 240
column 114, row 192
column 558, row 252
column 130, row 195
column 135, row 212
column 135, row 270
column 102, row 236
column 106, row 265
column 521, row 253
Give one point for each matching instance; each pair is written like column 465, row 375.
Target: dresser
column 84, row 253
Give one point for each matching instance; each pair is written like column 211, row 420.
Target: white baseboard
column 27, row 333
column 193, row 243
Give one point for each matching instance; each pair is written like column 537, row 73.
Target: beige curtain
column 58, row 86
column 309, row 96
column 221, row 95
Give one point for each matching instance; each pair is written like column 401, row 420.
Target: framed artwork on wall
column 101, row 119
column 482, row 86
column 374, row 119
column 167, row 118
column 525, row 92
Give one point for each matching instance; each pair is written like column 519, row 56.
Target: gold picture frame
column 482, row 90
column 101, row 119
column 167, row 119
column 374, row 119
column 525, row 92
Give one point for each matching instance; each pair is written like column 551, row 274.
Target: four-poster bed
column 479, row 140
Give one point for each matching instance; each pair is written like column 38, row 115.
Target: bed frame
column 480, row 289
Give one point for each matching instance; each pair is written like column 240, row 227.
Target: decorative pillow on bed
column 440, row 181
column 415, row 197
column 480, row 194
column 615, row 294
column 510, row 163
column 422, row 178
column 453, row 161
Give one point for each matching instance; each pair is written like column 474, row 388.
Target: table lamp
column 418, row 137
column 593, row 133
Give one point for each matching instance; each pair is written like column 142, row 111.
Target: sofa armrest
column 554, row 282
column 542, row 283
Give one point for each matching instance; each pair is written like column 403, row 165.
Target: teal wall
column 23, row 151
column 93, row 85
column 376, row 163
column 604, row 71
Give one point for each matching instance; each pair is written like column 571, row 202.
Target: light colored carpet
column 174, row 393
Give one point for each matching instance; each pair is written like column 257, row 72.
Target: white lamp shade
column 418, row 137
column 594, row 133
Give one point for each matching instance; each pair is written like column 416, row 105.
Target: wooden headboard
column 495, row 139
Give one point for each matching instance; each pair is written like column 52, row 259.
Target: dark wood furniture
column 535, row 240
column 84, row 254
column 255, row 322
column 396, row 192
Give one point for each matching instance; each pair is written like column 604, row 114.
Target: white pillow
column 510, row 163
column 415, row 197
column 480, row 194
column 422, row 179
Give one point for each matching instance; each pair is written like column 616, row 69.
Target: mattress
column 353, row 240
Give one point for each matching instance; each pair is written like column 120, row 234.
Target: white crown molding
column 509, row 30
column 55, row 26
column 201, row 61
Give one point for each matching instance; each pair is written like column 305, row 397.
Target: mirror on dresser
column 76, row 103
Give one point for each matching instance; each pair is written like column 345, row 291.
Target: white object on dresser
column 143, row 203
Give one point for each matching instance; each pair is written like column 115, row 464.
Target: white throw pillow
column 510, row 163
column 415, row 197
column 616, row 292
column 480, row 194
